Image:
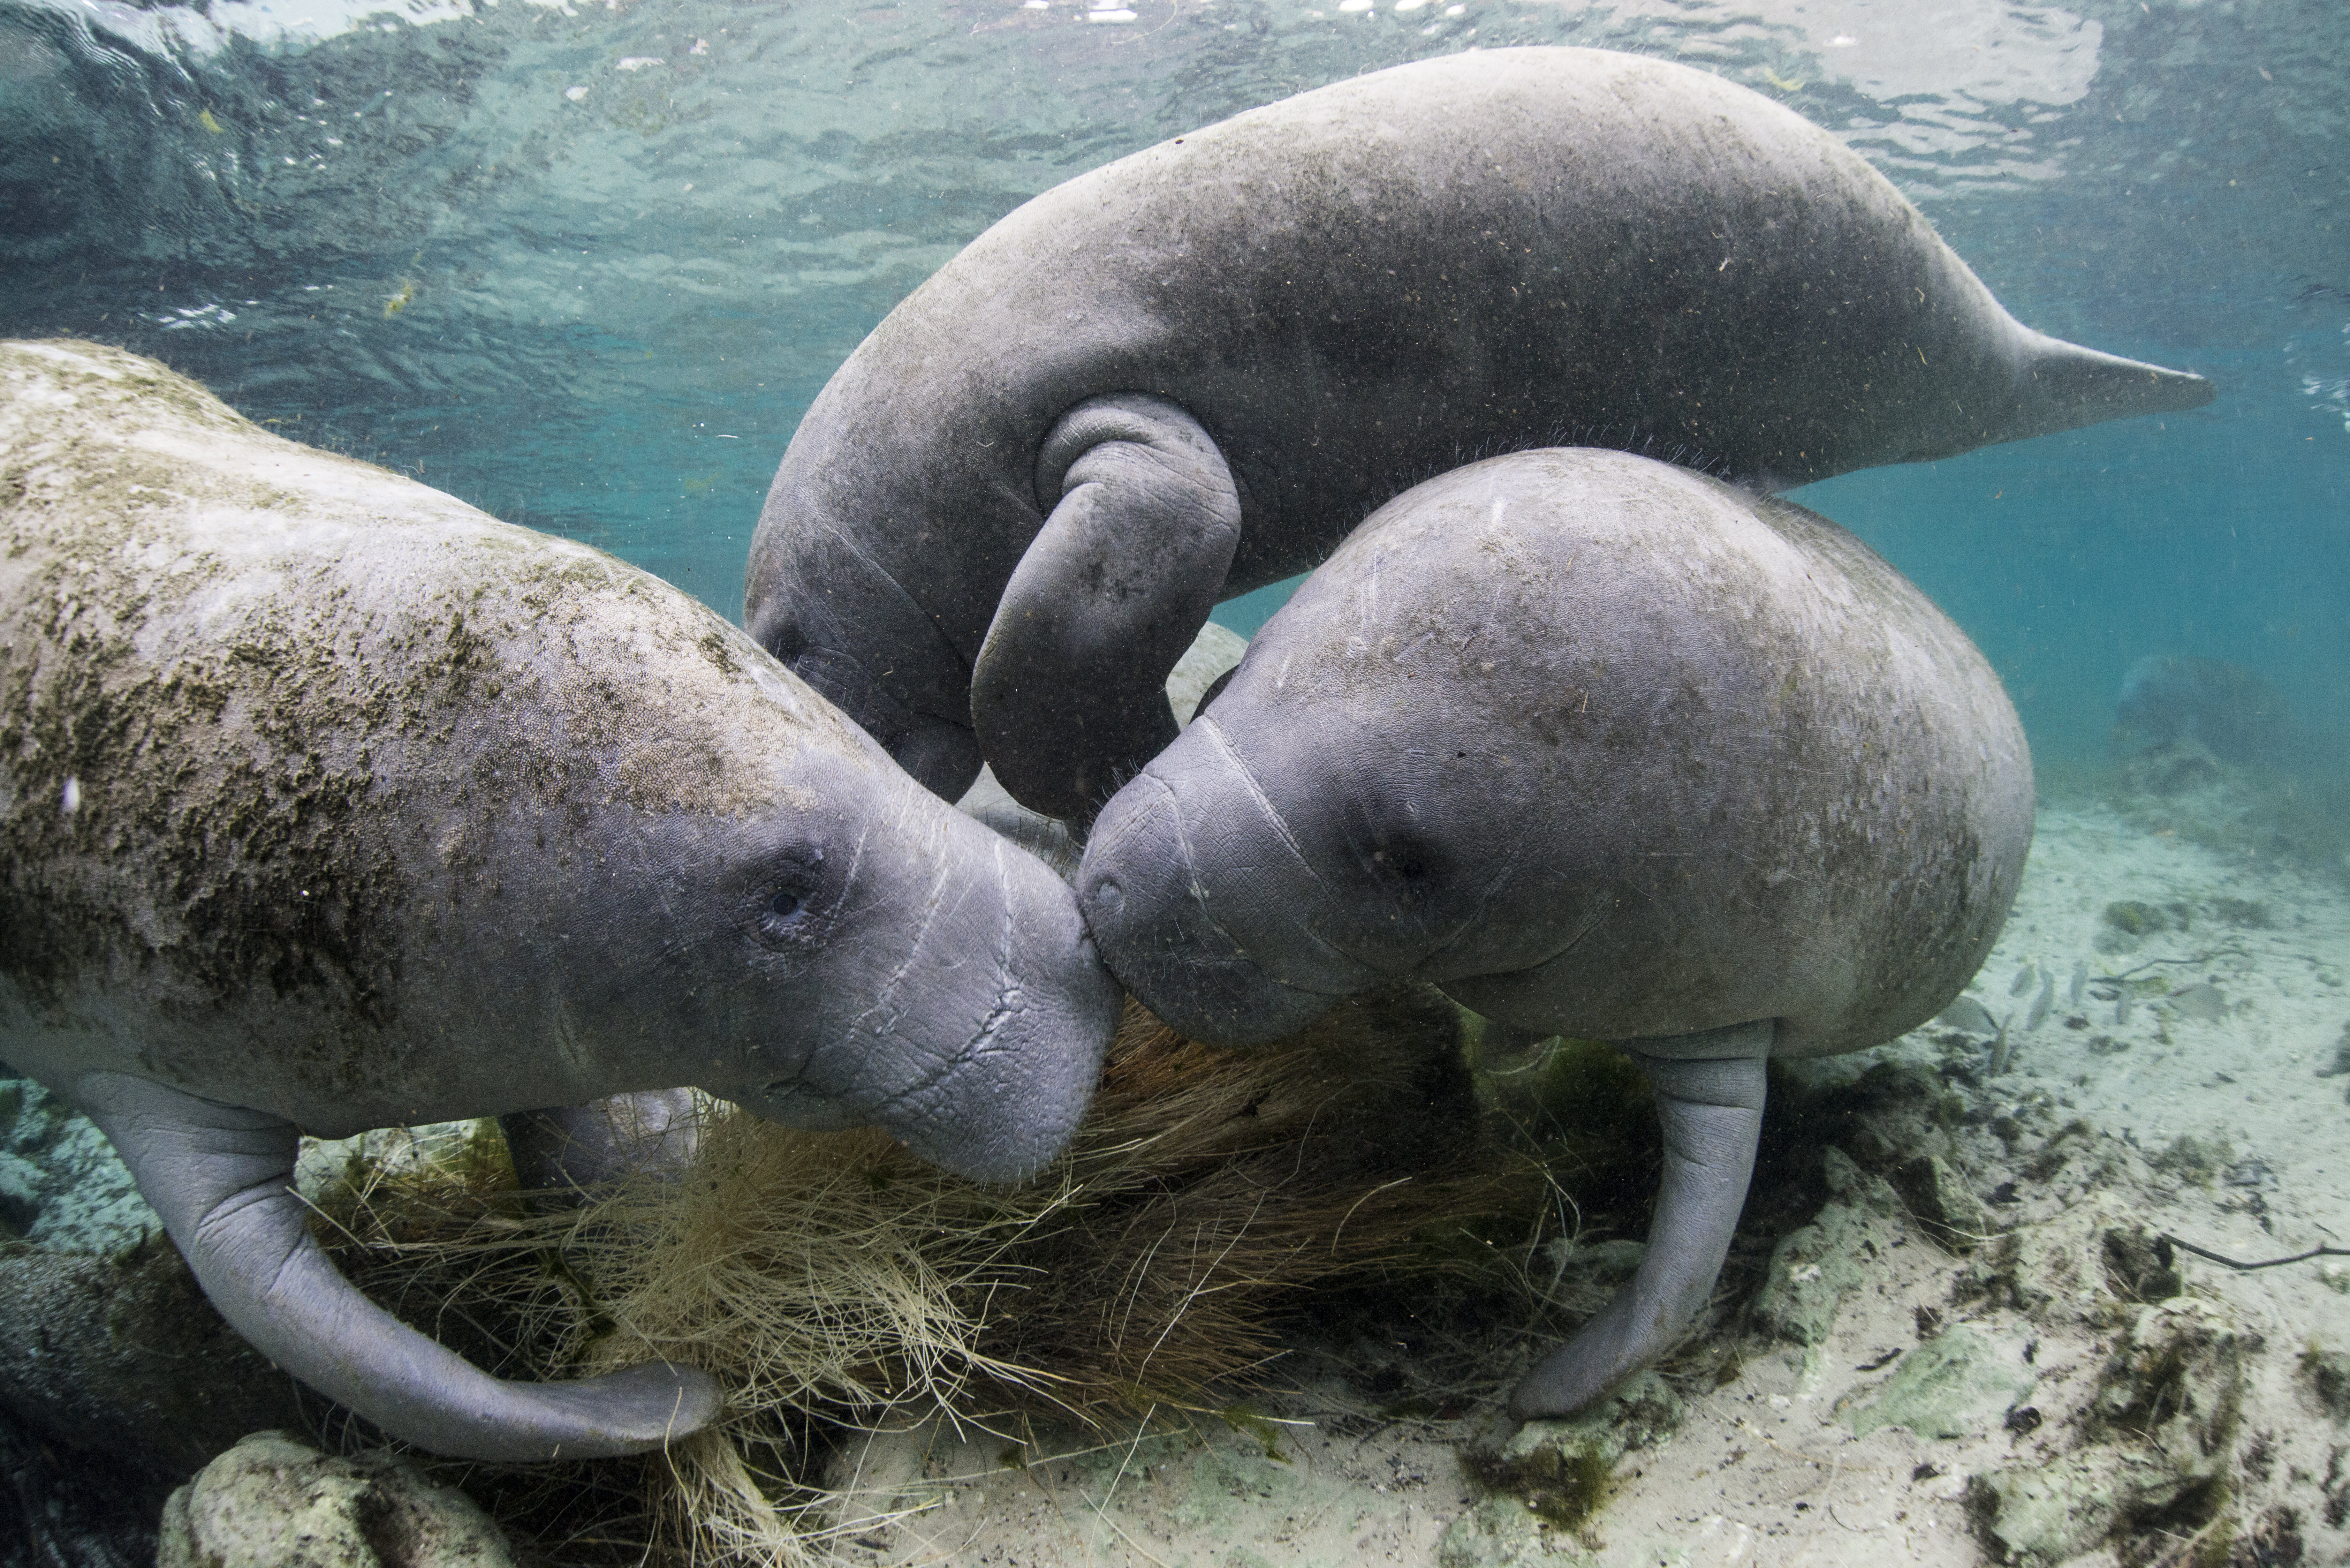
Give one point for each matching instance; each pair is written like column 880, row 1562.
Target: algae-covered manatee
column 1601, row 747
column 329, row 803
column 1192, row 372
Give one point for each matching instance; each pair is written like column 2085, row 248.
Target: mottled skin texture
column 1207, row 362
column 329, row 803
column 1602, row 747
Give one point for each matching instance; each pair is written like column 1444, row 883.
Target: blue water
column 585, row 266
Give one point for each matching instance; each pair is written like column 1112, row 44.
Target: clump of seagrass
column 832, row 1279
column 835, row 1273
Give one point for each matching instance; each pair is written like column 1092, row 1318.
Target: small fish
column 2041, row 1003
column 2121, row 1009
column 400, row 302
column 2080, row 983
column 205, row 118
column 1969, row 1015
column 1999, row 1050
column 2025, row 979
column 2200, row 1001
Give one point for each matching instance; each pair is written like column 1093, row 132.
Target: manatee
column 1192, row 372
column 327, row 803
column 1601, row 747
column 1202, row 667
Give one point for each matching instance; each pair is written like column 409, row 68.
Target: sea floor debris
column 837, row 1285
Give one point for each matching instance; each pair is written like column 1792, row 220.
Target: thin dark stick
column 2204, row 956
column 2263, row 1263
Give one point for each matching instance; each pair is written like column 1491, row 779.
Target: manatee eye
column 781, row 917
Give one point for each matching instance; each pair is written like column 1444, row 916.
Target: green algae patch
column 1560, row 1472
column 1562, row 1484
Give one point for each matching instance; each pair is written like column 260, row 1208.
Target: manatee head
column 1283, row 854
column 817, row 598
column 728, row 883
column 899, row 964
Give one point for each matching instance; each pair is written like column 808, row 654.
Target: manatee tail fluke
column 2062, row 386
column 221, row 1178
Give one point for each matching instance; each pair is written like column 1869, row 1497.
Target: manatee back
column 1716, row 759
column 1363, row 285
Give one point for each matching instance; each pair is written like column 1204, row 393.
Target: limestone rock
column 273, row 1502
column 1943, row 1204
column 2157, row 1436
column 2178, row 1379
column 1504, row 1532
column 2087, row 1265
column 1955, row 1385
column 62, row 1186
column 1817, row 1267
column 2044, row 1514
column 123, row 1355
column 1641, row 1414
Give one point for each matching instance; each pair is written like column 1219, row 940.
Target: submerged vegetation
column 838, row 1284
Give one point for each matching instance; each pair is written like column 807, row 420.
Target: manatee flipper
column 1068, row 694
column 221, row 1178
column 1709, row 1091
column 561, row 1154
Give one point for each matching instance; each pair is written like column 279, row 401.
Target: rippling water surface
column 585, row 263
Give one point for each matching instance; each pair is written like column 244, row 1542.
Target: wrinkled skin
column 1193, row 371
column 1601, row 747
column 327, row 803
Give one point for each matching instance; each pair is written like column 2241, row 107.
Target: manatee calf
column 1192, row 372
column 1601, row 747
column 329, row 803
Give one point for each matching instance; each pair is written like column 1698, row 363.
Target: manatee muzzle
column 967, row 1018
column 1179, row 944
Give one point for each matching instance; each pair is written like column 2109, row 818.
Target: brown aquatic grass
column 832, row 1279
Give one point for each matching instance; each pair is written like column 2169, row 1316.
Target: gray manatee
column 1601, row 747
column 329, row 803
column 1192, row 372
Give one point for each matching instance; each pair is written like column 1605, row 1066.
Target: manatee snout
column 1038, row 1019
column 1192, row 951
column 963, row 1007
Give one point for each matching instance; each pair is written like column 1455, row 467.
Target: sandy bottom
column 1777, row 1462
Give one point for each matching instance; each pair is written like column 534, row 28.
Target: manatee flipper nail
column 1711, row 1110
column 221, row 1178
column 1068, row 693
